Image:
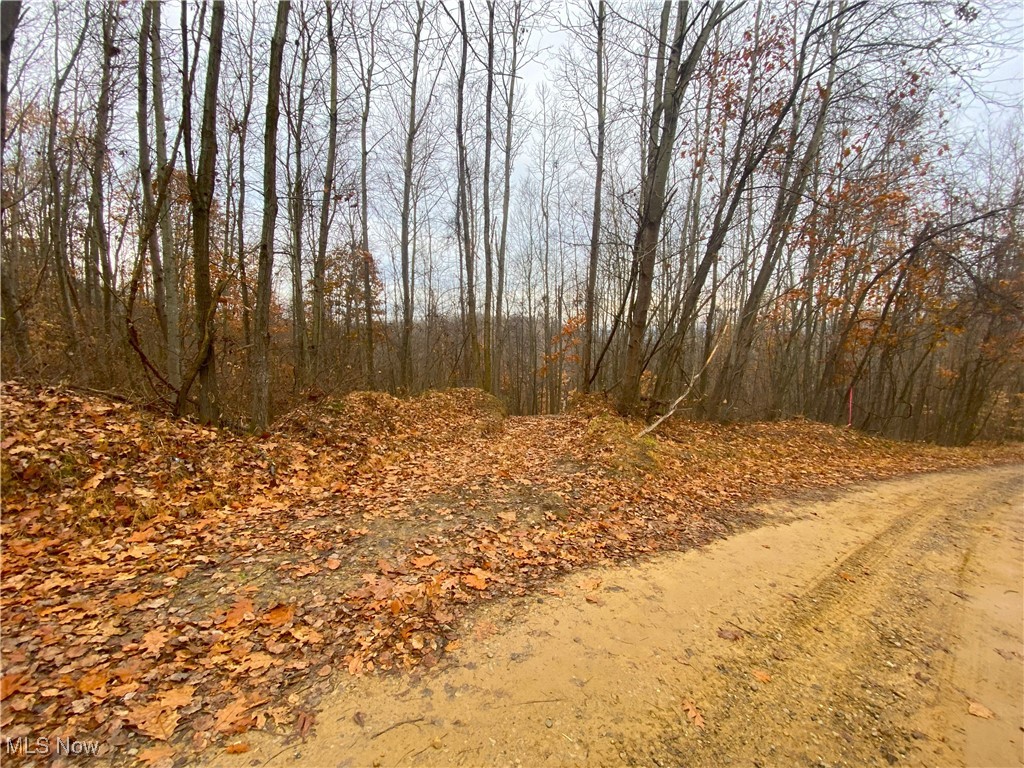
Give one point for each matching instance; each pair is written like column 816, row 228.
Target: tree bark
column 202, row 203
column 260, row 412
column 590, row 301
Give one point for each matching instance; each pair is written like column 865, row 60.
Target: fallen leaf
column 160, row 756
column 980, row 710
column 231, row 718
column 238, row 748
column 425, row 561
column 238, row 613
column 154, row 641
column 10, row 684
column 474, row 581
column 729, row 634
column 359, row 719
column 154, row 720
column 280, row 615
column 693, row 713
column 304, row 724
column 333, row 563
column 761, row 675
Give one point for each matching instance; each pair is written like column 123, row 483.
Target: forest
column 732, row 210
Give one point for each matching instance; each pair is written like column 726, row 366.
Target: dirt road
column 857, row 630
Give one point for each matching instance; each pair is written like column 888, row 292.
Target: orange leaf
column 474, row 581
column 237, row 748
column 693, row 713
column 424, row 562
column 333, row 563
column 10, row 684
column 178, row 697
column 237, row 614
column 94, row 682
column 231, row 718
column 761, row 675
column 154, row 641
column 154, row 720
column 280, row 615
column 160, row 756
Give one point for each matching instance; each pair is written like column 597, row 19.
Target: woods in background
column 774, row 210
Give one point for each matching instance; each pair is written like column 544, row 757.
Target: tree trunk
column 172, row 300
column 202, row 203
column 260, row 414
column 327, row 204
column 670, row 82
column 405, row 355
column 13, row 319
column 463, row 217
column 590, row 302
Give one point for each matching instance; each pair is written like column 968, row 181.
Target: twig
column 671, row 411
column 403, row 722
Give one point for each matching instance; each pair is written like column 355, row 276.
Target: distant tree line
column 736, row 209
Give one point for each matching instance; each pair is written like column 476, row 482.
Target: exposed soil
column 852, row 631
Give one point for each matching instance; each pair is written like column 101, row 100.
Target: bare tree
column 260, row 407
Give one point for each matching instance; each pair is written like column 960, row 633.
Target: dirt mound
column 368, row 424
column 93, row 464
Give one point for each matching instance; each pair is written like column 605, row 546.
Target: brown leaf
column 154, row 720
column 333, row 563
column 160, row 756
column 359, row 718
column 231, row 719
column 761, row 675
column 474, row 580
column 94, row 682
column 980, row 710
column 238, row 748
column 280, row 615
column 693, row 713
column 425, row 561
column 154, row 641
column 729, row 634
column 180, row 696
column 305, row 723
column 11, row 683
column 237, row 614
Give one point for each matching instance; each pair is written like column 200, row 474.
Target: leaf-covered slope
column 166, row 586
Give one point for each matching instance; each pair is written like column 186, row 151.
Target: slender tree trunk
column 13, row 319
column 670, row 82
column 488, row 255
column 169, row 282
column 405, row 354
column 297, row 212
column 202, row 203
column 261, row 331
column 152, row 244
column 98, row 263
column 590, row 302
column 327, row 204
column 499, row 296
column 463, row 215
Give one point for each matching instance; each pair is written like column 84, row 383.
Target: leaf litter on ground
column 169, row 587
